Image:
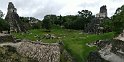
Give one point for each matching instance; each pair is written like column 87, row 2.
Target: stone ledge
column 6, row 38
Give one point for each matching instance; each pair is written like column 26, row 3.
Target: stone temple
column 13, row 19
column 94, row 26
column 103, row 12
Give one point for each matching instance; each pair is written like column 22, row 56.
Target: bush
column 3, row 25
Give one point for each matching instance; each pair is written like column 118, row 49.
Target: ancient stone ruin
column 102, row 13
column 35, row 50
column 42, row 52
column 94, row 26
column 111, row 50
column 13, row 19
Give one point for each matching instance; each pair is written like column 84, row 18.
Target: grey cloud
column 93, row 4
column 35, row 8
column 52, row 9
column 39, row 8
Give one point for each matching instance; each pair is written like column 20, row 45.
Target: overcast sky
column 40, row 8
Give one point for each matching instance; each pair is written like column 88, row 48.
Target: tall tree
column 118, row 20
column 79, row 21
column 3, row 24
column 46, row 23
column 85, row 13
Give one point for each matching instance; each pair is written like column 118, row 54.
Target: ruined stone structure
column 94, row 26
column 95, row 57
column 102, row 13
column 43, row 52
column 121, row 36
column 9, row 54
column 13, row 19
column 110, row 50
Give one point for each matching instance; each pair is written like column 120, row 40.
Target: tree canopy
column 46, row 23
column 3, row 24
column 116, row 22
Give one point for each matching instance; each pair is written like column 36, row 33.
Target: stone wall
column 43, row 52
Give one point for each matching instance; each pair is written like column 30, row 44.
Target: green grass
column 74, row 42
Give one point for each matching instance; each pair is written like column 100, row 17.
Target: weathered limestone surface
column 110, row 50
column 43, row 52
column 13, row 19
column 95, row 57
column 9, row 54
column 120, row 36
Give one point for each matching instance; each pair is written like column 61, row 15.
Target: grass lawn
column 74, row 40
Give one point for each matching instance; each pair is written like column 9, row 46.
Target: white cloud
column 40, row 8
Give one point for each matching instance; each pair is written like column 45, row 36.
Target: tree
column 69, row 21
column 3, row 24
column 85, row 13
column 86, row 16
column 59, row 21
column 30, row 23
column 79, row 21
column 1, row 14
column 118, row 20
column 46, row 23
column 107, row 25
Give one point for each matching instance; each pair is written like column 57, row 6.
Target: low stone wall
column 43, row 52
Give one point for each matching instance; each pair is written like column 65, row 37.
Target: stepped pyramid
column 13, row 19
